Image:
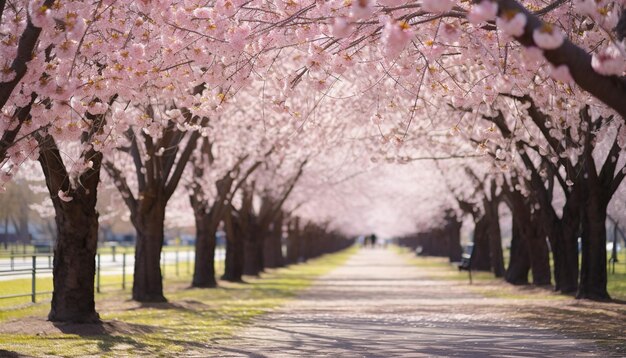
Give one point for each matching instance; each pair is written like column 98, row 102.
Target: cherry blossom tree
column 140, row 86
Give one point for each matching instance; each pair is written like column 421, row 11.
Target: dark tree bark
column 539, row 252
column 293, row 241
column 529, row 249
column 239, row 225
column 253, row 248
column 453, row 230
column 564, row 243
column 593, row 273
column 77, row 236
column 273, row 249
column 598, row 188
column 149, row 224
column 495, row 237
column 519, row 261
column 77, row 226
column 204, row 264
column 157, row 178
column 74, row 265
column 480, row 252
column 233, row 267
column 562, row 232
column 207, row 217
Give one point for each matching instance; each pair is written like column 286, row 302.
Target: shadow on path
column 376, row 305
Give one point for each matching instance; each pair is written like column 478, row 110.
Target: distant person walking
column 371, row 239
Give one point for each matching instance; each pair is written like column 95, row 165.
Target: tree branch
column 25, row 49
column 609, row 89
column 171, row 183
column 122, row 186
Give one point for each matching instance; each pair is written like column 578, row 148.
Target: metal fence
column 112, row 270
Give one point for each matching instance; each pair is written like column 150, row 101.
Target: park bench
column 464, row 264
column 466, row 261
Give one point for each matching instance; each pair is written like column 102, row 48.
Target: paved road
column 377, row 305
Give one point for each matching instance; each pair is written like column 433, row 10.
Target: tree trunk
column 480, row 252
column 76, row 236
column 495, row 239
column 519, row 261
column 293, row 241
column 455, row 251
column 593, row 273
column 74, row 264
column 539, row 252
column 253, row 254
column 149, row 224
column 564, row 241
column 204, row 264
column 234, row 263
column 273, row 247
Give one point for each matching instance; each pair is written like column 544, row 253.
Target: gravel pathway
column 378, row 305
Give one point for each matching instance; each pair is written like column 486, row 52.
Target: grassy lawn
column 190, row 322
column 104, row 250
column 441, row 269
column 108, row 282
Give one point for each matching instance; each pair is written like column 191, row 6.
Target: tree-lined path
column 379, row 305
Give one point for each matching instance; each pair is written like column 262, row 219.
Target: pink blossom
column 621, row 137
column 437, row 6
column 608, row 61
column 137, row 51
column 173, row 113
column 64, row 196
column 225, row 7
column 561, row 74
column 341, row 28
column 433, row 51
column 512, row 24
column 585, row 7
column 202, row 13
column 77, row 29
column 395, row 37
column 486, row 10
column 319, row 84
column 532, row 57
column 362, row 9
column 237, row 37
column 340, row 63
column 316, row 59
column 392, row 2
column 548, row 37
column 7, row 74
column 450, row 32
column 66, row 49
column 376, row 118
column 40, row 15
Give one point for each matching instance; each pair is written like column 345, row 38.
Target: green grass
column 617, row 281
column 21, row 250
column 440, row 268
column 191, row 322
column 108, row 282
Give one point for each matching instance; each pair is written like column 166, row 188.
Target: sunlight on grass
column 617, row 281
column 191, row 321
column 441, row 269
